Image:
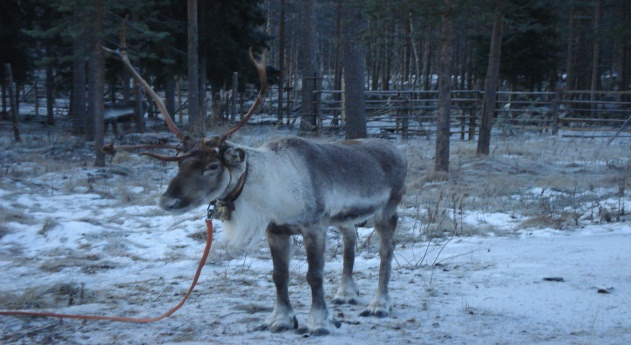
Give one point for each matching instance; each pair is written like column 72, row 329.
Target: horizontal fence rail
column 413, row 112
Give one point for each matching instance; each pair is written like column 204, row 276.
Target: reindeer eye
column 212, row 166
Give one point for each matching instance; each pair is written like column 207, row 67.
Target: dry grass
column 4, row 231
column 43, row 297
column 15, row 214
column 553, row 182
column 49, row 224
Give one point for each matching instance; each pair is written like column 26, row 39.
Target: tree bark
column 233, row 98
column 203, row 60
column 405, row 54
column 387, row 59
column 490, row 83
column 92, row 72
column 169, row 94
column 441, row 163
column 595, row 78
column 50, row 91
column 202, row 91
column 139, row 116
column 427, row 61
column 569, row 62
column 354, row 67
column 337, row 68
column 8, row 74
column 99, row 65
column 624, row 74
column 310, row 72
column 78, row 75
column 4, row 101
column 416, row 50
column 281, row 61
column 193, row 70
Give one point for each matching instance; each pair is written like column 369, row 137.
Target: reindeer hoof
column 283, row 327
column 305, row 331
column 341, row 300
column 378, row 313
column 276, row 326
column 319, row 330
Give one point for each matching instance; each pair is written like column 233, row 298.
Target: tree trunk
column 281, row 61
column 4, row 100
column 416, row 49
column 92, row 70
column 441, row 163
column 78, row 76
column 354, row 67
column 50, row 91
column 203, row 60
column 99, row 75
column 126, row 90
column 193, row 70
column 337, row 73
column 202, row 91
column 427, row 62
column 405, row 55
column 178, row 87
column 50, row 96
column 8, row 74
column 569, row 62
column 234, row 96
column 387, row 61
column 310, row 73
column 169, row 94
column 490, row 84
column 36, row 96
column 139, row 116
column 595, row 58
column 624, row 74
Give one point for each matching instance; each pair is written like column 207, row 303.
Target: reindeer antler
column 122, row 55
column 184, row 138
column 260, row 69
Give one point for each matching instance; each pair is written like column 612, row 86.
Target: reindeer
column 292, row 186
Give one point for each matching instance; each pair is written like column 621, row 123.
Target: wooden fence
column 414, row 112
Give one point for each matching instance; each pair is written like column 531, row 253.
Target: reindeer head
column 215, row 170
column 208, row 169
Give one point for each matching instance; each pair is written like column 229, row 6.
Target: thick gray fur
column 297, row 186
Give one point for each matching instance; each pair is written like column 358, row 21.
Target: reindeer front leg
column 283, row 317
column 318, row 322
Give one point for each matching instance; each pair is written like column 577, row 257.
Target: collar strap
column 229, row 199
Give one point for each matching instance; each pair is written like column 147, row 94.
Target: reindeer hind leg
column 385, row 225
column 347, row 292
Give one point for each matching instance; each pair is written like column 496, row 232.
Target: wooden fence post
column 233, row 103
column 14, row 108
column 474, row 110
column 558, row 96
column 405, row 117
column 36, row 97
column 179, row 101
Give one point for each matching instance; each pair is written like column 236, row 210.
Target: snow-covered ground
column 529, row 245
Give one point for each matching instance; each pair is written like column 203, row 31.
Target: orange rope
column 209, row 241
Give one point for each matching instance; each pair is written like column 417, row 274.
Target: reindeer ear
column 234, row 156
